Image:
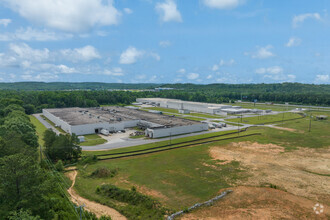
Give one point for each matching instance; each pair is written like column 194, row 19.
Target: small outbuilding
column 321, row 117
column 81, row 139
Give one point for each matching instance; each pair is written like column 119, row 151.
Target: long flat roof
column 115, row 114
column 181, row 101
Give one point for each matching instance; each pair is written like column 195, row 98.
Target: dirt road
column 91, row 206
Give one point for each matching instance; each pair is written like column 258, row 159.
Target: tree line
column 30, row 186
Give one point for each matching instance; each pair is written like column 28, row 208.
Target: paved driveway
column 46, row 124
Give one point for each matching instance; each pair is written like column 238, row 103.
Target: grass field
column 264, row 106
column 181, row 177
column 264, row 119
column 40, row 128
column 93, row 139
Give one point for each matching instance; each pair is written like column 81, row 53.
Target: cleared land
column 290, row 159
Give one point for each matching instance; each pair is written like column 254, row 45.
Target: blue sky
column 165, row 41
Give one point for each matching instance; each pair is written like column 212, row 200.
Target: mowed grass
column 182, row 176
column 92, row 139
column 192, row 118
column 204, row 115
column 40, row 129
column 264, row 106
column 265, row 119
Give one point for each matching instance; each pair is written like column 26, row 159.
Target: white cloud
column 86, row 53
column 30, row 34
column 130, row 55
column 275, row 73
column 5, row 21
column 168, row 11
column 322, row 79
column 226, row 63
column 155, row 56
column 67, row 15
column 215, row 67
column 24, row 52
column 117, row 71
column 223, row 4
column 209, row 77
column 293, row 42
column 128, row 11
column 262, row 52
column 182, row 70
column 193, row 76
column 270, row 70
column 165, row 43
column 39, row 77
column 299, row 19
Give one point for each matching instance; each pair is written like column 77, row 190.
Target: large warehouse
column 81, row 121
column 209, row 108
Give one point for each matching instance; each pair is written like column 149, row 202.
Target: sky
column 165, row 41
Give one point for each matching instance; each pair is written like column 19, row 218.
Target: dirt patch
column 258, row 203
column 296, row 172
column 286, row 129
column 91, row 206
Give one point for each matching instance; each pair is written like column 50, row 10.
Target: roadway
column 46, row 124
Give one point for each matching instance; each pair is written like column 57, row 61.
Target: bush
column 88, row 159
column 103, row 172
column 59, row 165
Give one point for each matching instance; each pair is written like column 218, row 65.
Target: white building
column 191, row 106
column 81, row 121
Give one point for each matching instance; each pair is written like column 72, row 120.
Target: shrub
column 103, row 172
column 88, row 159
column 59, row 165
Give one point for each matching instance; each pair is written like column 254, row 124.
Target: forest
column 294, row 93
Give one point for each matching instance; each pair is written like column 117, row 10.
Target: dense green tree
column 61, row 147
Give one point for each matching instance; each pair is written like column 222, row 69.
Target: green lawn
column 93, row 139
column 40, row 128
column 264, row 106
column 265, row 119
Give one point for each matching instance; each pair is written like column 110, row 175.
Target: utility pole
column 310, row 123
column 238, row 127
column 81, row 210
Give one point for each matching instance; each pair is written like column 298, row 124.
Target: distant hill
column 234, row 88
column 43, row 86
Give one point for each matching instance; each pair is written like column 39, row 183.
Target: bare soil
column 258, row 203
column 302, row 172
column 96, row 208
column 301, row 178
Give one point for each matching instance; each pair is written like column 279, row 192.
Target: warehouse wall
column 165, row 132
column 57, row 121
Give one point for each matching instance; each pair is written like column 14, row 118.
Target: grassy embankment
column 40, row 129
column 92, row 139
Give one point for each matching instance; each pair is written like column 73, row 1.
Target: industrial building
column 81, row 121
column 182, row 106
